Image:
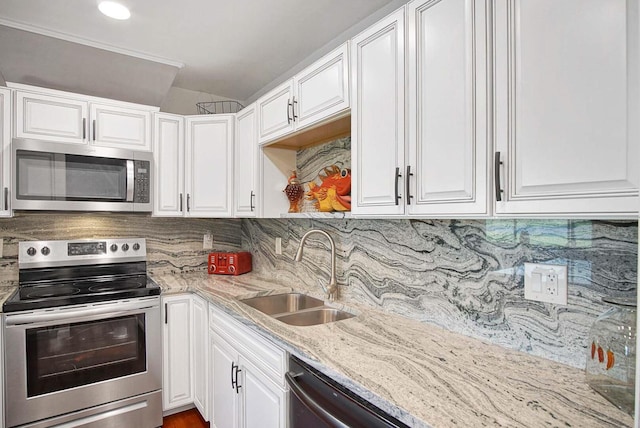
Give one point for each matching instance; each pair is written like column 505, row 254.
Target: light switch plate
column 545, row 283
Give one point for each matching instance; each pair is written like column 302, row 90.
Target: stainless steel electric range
column 82, row 336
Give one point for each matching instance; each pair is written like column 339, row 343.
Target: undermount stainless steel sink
column 283, row 303
column 315, row 317
column 296, row 309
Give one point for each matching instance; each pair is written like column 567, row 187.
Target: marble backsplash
column 173, row 244
column 464, row 275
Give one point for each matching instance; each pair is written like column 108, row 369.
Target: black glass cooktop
column 52, row 287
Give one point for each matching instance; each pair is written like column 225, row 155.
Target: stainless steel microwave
column 76, row 177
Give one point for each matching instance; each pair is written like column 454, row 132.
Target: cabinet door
column 447, row 98
column 168, row 156
column 200, row 356
column 224, row 401
column 176, row 379
column 322, row 89
column 377, row 118
column 45, row 117
column 5, row 158
column 263, row 402
column 209, row 166
column 566, row 106
column 275, row 113
column 120, row 127
column 246, row 164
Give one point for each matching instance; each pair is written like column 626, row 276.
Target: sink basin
column 314, row 317
column 296, row 309
column 282, row 303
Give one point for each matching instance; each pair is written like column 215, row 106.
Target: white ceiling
column 231, row 48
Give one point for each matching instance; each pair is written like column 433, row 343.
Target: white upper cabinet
column 120, row 127
column 313, row 95
column 46, row 114
column 246, row 164
column 5, row 158
column 274, row 112
column 377, row 118
column 168, row 157
column 447, row 164
column 45, row 117
column 566, row 107
column 209, row 165
column 322, row 89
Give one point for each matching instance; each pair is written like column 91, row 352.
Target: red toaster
column 229, row 263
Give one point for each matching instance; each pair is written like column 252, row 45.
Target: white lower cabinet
column 200, row 328
column 247, row 377
column 177, row 373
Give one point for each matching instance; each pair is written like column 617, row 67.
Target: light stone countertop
column 423, row 375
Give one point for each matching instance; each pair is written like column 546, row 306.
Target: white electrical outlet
column 278, row 245
column 545, row 283
column 207, row 241
column 1, row 248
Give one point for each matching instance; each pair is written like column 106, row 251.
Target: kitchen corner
column 421, row 374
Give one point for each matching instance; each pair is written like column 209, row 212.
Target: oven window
column 70, row 355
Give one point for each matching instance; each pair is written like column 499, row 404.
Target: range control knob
column 45, row 251
column 212, row 268
column 114, row 247
column 125, row 247
column 232, row 269
column 31, row 251
column 136, row 246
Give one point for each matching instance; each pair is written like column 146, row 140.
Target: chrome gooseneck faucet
column 332, row 288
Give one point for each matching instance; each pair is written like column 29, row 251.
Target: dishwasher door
column 318, row 401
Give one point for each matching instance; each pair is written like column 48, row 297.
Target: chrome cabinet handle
column 496, row 171
column 409, row 175
column 84, row 128
column 235, row 369
column 398, row 175
column 94, row 130
column 181, row 202
column 293, row 109
column 233, row 382
column 289, row 106
column 166, row 314
column 253, row 195
column 188, row 202
column 6, row 199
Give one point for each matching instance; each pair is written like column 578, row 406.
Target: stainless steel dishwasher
column 318, row 401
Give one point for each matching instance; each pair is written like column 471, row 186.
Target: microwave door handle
column 130, row 181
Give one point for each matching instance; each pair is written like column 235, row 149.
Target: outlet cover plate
column 545, row 283
column 207, row 241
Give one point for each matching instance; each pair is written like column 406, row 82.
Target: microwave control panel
column 142, row 178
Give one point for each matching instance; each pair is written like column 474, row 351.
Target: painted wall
column 463, row 275
column 183, row 101
column 173, row 244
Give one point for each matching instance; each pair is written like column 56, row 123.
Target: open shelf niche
column 308, row 152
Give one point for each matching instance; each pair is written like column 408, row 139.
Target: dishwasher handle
column 308, row 401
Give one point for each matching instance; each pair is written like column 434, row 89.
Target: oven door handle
column 312, row 404
column 112, row 310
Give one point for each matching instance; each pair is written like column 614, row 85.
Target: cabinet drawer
column 266, row 356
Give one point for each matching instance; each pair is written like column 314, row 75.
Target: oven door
column 65, row 359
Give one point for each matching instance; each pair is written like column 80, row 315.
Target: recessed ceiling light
column 114, row 10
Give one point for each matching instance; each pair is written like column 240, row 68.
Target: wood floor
column 189, row 419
